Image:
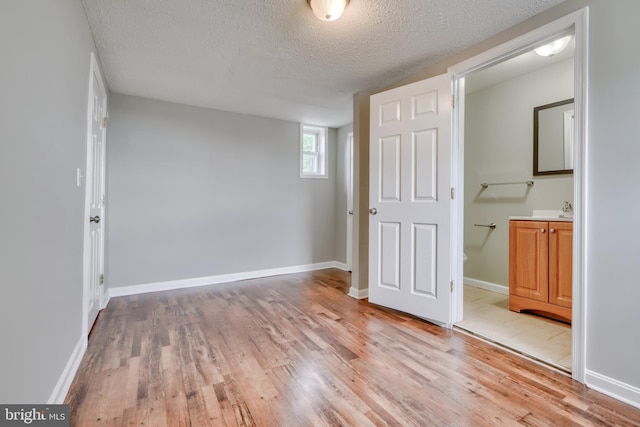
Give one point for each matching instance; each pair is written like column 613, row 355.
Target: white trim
column 61, row 389
column 578, row 23
column 323, row 150
column 215, row 280
column 358, row 293
column 350, row 216
column 340, row 266
column 457, row 204
column 106, row 298
column 617, row 389
column 493, row 287
column 580, row 150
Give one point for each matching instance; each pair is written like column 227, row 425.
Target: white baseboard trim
column 340, row 265
column 493, row 287
column 119, row 291
column 617, row 389
column 359, row 293
column 68, row 374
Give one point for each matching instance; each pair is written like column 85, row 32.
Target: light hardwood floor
column 295, row 350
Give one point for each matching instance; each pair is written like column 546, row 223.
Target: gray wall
column 341, row 193
column 613, row 271
column 44, row 80
column 612, row 178
column 499, row 148
column 194, row 192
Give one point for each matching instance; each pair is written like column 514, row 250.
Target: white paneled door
column 95, row 193
column 410, row 199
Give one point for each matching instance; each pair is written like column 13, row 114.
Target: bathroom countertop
column 540, row 218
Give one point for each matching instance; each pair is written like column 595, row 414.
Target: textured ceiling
column 274, row 58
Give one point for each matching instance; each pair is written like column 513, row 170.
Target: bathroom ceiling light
column 554, row 47
column 328, row 10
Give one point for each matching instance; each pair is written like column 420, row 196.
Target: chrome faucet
column 567, row 210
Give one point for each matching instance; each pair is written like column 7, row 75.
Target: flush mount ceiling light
column 554, row 47
column 328, row 10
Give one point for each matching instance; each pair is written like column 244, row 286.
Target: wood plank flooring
column 295, row 350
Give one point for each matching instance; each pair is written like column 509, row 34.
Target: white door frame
column 94, row 69
column 578, row 23
column 349, row 178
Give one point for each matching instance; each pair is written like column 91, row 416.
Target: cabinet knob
column 553, row 230
column 542, row 230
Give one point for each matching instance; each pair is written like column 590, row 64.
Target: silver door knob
column 542, row 230
column 95, row 219
column 373, row 211
column 350, row 212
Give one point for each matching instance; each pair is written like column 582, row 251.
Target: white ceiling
column 274, row 58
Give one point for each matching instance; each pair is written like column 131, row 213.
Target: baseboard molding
column 105, row 299
column 340, row 265
column 359, row 293
column 617, row 389
column 68, row 374
column 493, row 287
column 119, row 291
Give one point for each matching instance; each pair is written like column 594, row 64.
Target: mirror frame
column 536, row 110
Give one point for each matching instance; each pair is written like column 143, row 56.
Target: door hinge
column 453, row 102
column 104, row 122
column 102, row 279
column 102, row 200
column 452, row 286
column 453, row 193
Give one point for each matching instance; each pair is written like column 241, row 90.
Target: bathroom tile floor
column 487, row 314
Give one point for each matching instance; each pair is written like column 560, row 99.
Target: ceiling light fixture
column 328, row 10
column 554, row 47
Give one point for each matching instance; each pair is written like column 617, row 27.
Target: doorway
column 477, row 238
column 500, row 184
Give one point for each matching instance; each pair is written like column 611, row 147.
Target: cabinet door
column 528, row 260
column 560, row 265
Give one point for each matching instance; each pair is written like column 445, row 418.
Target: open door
column 95, row 197
column 410, row 199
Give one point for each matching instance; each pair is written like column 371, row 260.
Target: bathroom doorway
column 496, row 132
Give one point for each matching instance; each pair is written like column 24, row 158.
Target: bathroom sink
column 544, row 215
column 547, row 214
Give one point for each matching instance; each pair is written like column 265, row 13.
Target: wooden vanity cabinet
column 540, row 267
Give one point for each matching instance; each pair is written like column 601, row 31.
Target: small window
column 313, row 151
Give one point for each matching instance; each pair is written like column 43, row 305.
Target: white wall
column 499, row 148
column 194, row 192
column 44, row 81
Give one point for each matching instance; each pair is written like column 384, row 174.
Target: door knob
column 542, row 230
column 373, row 211
column 350, row 212
column 95, row 219
column 553, row 230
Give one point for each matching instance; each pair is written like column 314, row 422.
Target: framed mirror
column 553, row 126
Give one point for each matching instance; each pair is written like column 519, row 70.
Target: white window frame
column 321, row 153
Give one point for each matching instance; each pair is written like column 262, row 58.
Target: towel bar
column 487, row 184
column 491, row 226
